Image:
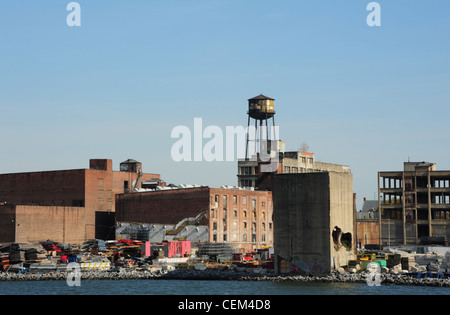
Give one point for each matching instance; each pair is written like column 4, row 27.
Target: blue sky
column 368, row 97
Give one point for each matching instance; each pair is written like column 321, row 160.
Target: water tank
column 261, row 107
column 131, row 166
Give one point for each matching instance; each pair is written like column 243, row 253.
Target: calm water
column 195, row 287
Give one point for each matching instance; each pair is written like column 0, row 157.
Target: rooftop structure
column 251, row 175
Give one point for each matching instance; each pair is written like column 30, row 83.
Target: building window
column 244, row 237
column 224, row 237
column 214, row 237
column 248, row 183
column 254, row 204
column 235, row 213
column 234, row 200
column 263, row 226
column 214, row 226
column 244, row 214
column 244, row 200
column 125, row 185
column 224, row 214
column 263, row 215
column 225, row 201
column 263, row 237
column 263, row 204
column 245, row 225
column 212, row 213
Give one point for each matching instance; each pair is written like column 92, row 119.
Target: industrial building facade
column 414, row 205
column 250, row 174
column 82, row 198
column 314, row 222
column 241, row 217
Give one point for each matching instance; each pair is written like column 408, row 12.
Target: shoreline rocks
column 215, row 274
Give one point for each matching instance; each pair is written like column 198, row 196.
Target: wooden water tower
column 261, row 109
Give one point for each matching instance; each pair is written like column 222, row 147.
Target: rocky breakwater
column 232, row 274
column 113, row 274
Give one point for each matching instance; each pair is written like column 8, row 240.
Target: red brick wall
column 23, row 224
column 100, row 164
column 164, row 207
column 59, row 188
column 60, row 224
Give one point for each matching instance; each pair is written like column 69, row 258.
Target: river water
column 208, row 287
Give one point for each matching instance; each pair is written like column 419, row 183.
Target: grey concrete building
column 414, row 205
column 314, row 221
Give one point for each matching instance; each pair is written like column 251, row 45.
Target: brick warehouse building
column 242, row 217
column 66, row 205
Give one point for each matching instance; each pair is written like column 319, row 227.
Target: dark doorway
column 105, row 225
column 423, row 230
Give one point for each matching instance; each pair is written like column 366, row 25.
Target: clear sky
column 115, row 87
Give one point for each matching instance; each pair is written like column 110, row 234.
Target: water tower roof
column 130, row 161
column 260, row 97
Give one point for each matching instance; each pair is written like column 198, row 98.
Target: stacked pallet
column 17, row 257
column 27, row 252
column 37, row 256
